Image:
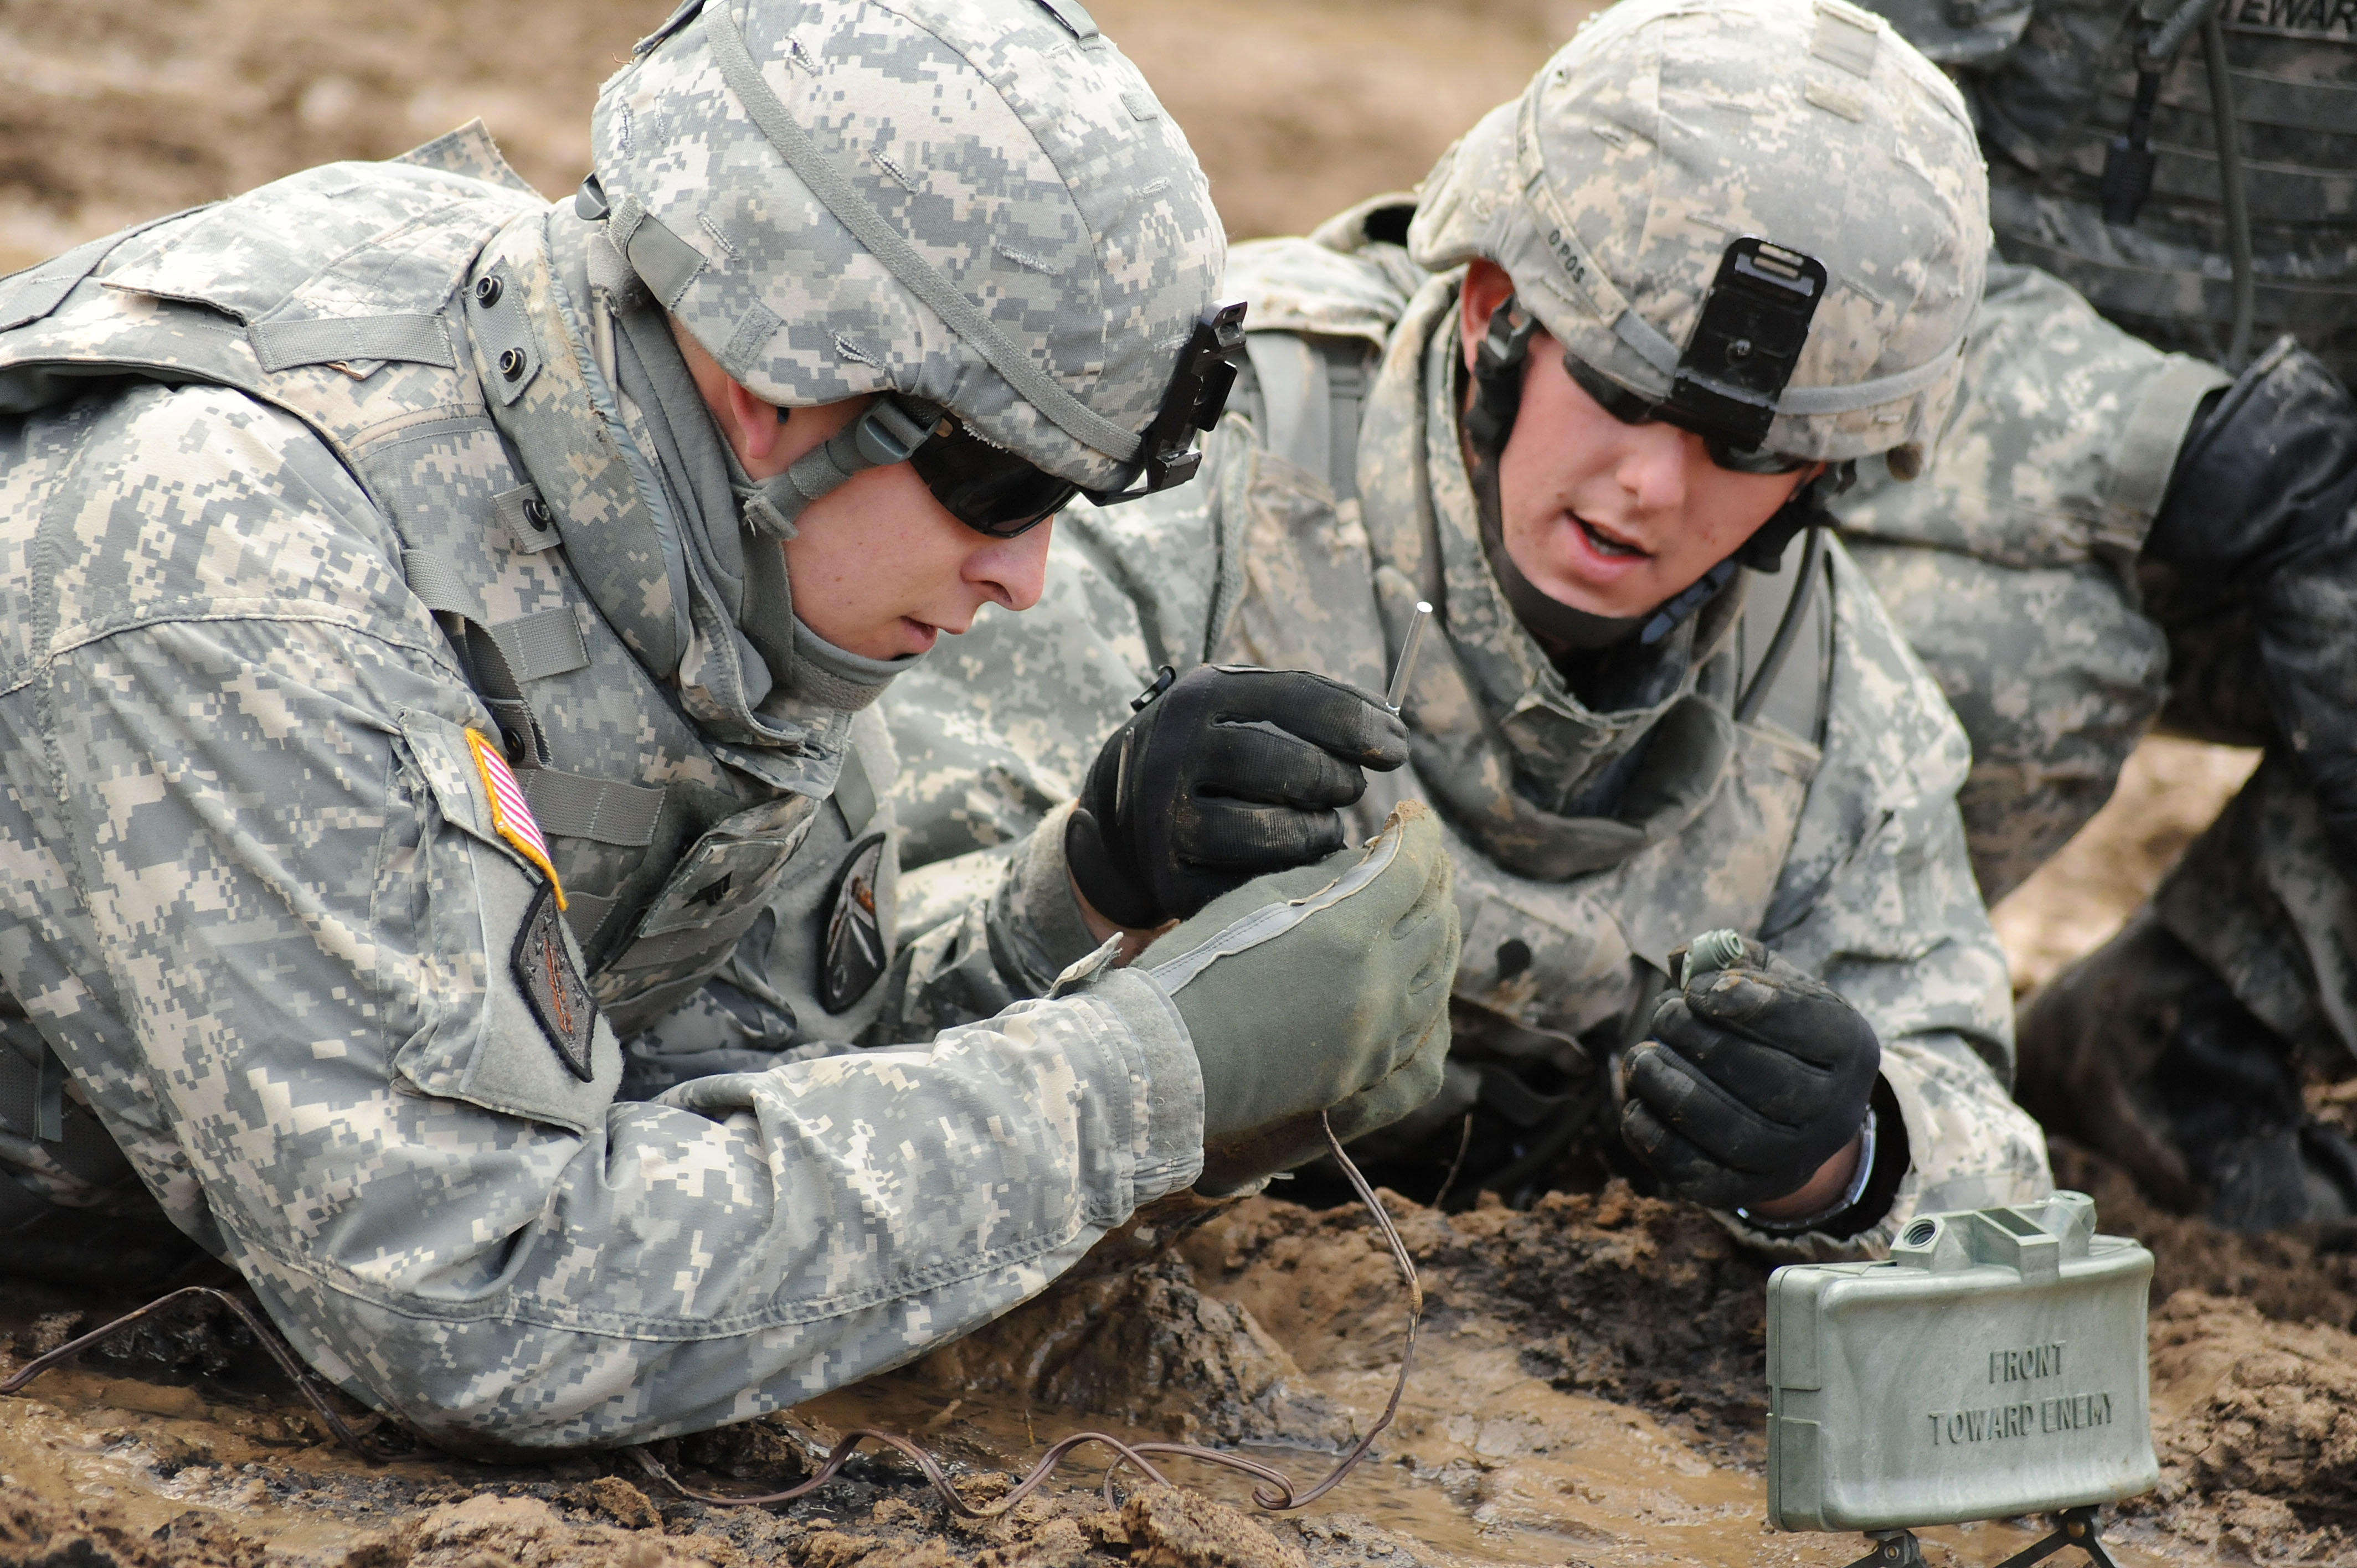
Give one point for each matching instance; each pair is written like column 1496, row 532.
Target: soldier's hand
column 1321, row 989
column 1755, row 1076
column 1233, row 773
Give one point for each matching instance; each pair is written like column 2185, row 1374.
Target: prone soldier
column 443, row 632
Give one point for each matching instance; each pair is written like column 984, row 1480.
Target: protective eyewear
column 997, row 493
column 1629, row 408
column 986, row 488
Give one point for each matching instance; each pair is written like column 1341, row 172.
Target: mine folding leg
column 1892, row 1548
column 2072, row 1527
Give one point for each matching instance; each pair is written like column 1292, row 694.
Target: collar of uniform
column 1543, row 781
column 623, row 535
column 609, row 504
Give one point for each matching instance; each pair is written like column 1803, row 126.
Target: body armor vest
column 669, row 847
column 2048, row 114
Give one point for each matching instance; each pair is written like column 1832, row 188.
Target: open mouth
column 1603, row 543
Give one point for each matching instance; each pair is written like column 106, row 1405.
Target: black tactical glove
column 1231, row 774
column 2257, row 511
column 1755, row 1076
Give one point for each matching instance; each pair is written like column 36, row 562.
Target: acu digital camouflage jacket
column 295, row 517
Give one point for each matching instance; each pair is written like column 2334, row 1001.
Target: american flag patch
column 510, row 816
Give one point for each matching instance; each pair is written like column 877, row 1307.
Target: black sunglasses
column 986, row 488
column 1631, row 409
column 998, row 494
column 995, row 492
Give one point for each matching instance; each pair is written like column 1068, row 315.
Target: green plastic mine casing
column 1994, row 1366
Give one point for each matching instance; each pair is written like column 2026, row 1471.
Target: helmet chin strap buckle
column 889, row 431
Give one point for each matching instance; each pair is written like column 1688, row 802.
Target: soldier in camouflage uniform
column 415, row 734
column 2129, row 203
column 1637, row 720
column 2113, row 534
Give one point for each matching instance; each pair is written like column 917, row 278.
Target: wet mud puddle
column 1595, row 1430
column 1484, row 1462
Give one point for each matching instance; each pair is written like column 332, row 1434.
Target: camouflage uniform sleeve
column 291, row 937
column 2011, row 562
column 1878, row 900
column 986, row 929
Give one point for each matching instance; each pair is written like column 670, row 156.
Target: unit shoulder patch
column 553, row 988
column 851, row 959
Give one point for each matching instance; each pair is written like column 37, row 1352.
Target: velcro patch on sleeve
column 552, row 987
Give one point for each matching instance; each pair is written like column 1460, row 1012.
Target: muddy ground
column 1588, row 1385
column 1588, row 1390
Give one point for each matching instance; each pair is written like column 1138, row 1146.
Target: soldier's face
column 1610, row 518
column 880, row 568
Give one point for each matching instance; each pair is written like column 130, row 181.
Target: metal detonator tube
column 1397, row 692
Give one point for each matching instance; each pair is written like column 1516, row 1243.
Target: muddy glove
column 1324, row 988
column 1755, row 1076
column 2258, row 509
column 1231, row 773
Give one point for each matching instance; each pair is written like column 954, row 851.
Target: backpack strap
column 1305, row 396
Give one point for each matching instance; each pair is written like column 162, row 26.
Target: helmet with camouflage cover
column 976, row 204
column 1615, row 189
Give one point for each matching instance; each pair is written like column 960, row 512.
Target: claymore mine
column 1994, row 1366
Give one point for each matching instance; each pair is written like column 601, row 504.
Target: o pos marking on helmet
column 1635, row 186
column 831, row 189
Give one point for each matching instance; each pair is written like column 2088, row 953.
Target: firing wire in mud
column 1277, row 1493
column 280, row 1352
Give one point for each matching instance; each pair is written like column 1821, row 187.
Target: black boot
column 2141, row 1054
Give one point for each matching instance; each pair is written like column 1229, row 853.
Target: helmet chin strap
column 1498, row 365
column 889, row 431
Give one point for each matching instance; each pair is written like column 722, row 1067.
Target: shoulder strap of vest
column 1305, row 395
column 30, row 295
column 1784, row 646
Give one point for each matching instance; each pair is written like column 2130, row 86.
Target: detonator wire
column 280, row 1352
column 1276, row 1494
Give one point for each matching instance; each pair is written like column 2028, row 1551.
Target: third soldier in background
column 2112, row 535
column 1588, row 404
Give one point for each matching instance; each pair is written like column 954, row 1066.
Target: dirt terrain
column 113, row 110
column 1588, row 1385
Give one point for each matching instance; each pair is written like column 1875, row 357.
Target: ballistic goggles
column 1746, row 343
column 995, row 491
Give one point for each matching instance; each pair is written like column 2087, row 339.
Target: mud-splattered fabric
column 1841, row 848
column 253, row 894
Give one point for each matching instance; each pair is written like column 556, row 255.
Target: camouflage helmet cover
column 975, row 202
column 1667, row 129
